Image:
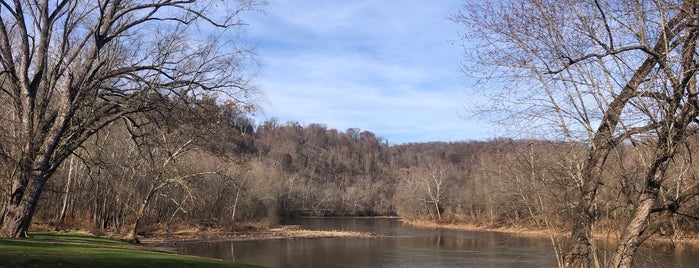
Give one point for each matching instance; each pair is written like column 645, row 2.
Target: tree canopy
column 69, row 68
column 605, row 73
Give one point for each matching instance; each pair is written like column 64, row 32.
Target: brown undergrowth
column 155, row 235
column 282, row 232
column 473, row 227
column 607, row 236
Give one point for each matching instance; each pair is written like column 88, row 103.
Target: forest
column 129, row 117
column 207, row 164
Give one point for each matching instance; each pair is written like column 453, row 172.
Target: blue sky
column 386, row 66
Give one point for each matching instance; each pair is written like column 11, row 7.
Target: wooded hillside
column 208, row 165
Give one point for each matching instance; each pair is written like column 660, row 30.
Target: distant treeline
column 207, row 164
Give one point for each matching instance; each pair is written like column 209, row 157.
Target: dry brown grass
column 606, row 236
column 284, row 232
column 473, row 227
column 181, row 232
column 287, row 233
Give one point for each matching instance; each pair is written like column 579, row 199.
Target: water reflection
column 401, row 247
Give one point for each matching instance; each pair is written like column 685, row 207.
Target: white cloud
column 382, row 66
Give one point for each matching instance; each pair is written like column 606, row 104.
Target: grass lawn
column 79, row 250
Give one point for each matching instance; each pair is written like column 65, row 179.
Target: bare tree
column 161, row 172
column 435, row 188
column 69, row 68
column 423, row 188
column 604, row 73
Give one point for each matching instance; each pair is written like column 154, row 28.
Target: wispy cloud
column 384, row 66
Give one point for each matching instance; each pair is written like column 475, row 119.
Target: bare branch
column 606, row 27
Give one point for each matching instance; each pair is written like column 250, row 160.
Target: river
column 402, row 246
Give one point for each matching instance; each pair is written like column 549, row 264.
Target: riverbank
column 608, row 237
column 84, row 250
column 282, row 232
column 475, row 228
column 81, row 249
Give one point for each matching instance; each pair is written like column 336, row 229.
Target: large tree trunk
column 634, row 233
column 680, row 115
column 637, row 231
column 580, row 254
column 22, row 205
column 582, row 250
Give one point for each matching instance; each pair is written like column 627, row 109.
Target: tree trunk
column 22, row 205
column 133, row 234
column 632, row 237
column 439, row 214
column 581, row 252
column 235, row 204
column 66, row 197
column 580, row 255
column 602, row 143
column 636, row 230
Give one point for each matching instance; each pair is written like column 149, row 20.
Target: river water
column 401, row 246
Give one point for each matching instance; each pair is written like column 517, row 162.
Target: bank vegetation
column 213, row 168
column 134, row 117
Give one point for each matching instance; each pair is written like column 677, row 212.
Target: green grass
column 78, row 250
